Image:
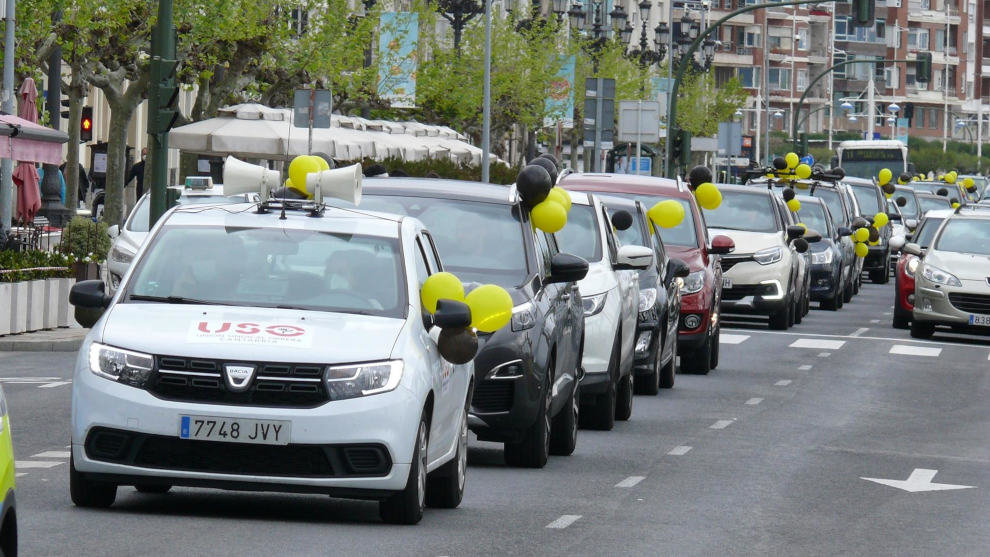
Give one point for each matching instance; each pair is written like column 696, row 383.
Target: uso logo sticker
column 257, row 333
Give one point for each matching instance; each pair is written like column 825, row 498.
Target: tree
column 702, row 105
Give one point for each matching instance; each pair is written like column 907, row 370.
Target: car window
column 742, row 210
column 934, row 203
column 923, row 237
column 275, row 267
column 684, row 234
column 813, row 216
column 581, row 235
column 431, row 253
column 965, row 236
column 139, row 215
column 632, row 236
column 477, row 241
column 611, row 239
column 910, row 207
column 543, row 251
column 422, row 267
column 869, row 202
column 832, row 199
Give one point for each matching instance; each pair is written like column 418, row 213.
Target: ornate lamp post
column 458, row 13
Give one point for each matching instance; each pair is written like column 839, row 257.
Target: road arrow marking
column 919, row 480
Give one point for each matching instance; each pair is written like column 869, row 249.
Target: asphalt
column 763, row 456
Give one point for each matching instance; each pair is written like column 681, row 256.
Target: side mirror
column 634, row 258
column 451, row 314
column 676, row 268
column 913, row 249
column 911, row 223
column 844, row 231
column 722, row 245
column 622, row 220
column 897, row 243
column 565, row 267
column 812, row 236
column 90, row 299
column 794, row 232
column 113, row 231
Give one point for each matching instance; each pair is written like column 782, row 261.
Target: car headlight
column 647, row 298
column 523, row 317
column 372, row 378
column 912, row 266
column 768, row 256
column 123, row 366
column 938, row 276
column 118, row 254
column 593, row 305
column 821, row 257
column 694, row 282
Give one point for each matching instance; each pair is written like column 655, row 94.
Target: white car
column 248, row 351
column 610, row 292
column 129, row 238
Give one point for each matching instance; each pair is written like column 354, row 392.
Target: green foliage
column 448, row 169
column 702, row 105
column 85, row 240
column 46, row 264
column 927, row 156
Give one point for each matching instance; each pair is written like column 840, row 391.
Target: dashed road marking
column 631, row 481
column 860, row 331
column 824, row 354
column 954, row 345
column 54, row 384
column 783, row 383
column 874, row 321
column 732, row 339
column 564, row 521
column 915, row 350
column 679, row 450
column 19, row 474
column 754, row 401
column 53, row 454
column 721, row 424
column 805, row 367
column 821, row 344
column 29, row 464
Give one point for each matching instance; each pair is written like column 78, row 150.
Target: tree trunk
column 120, row 118
column 72, row 152
column 575, row 140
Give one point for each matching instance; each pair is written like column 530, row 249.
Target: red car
column 907, row 264
column 701, row 294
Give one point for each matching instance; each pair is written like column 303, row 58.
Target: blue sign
column 629, row 165
column 808, row 160
column 560, row 101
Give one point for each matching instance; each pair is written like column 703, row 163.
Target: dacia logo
column 238, row 377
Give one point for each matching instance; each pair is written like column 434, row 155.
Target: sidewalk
column 55, row 340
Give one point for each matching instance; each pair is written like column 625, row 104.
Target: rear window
column 752, row 212
column 684, row 234
column 813, row 216
column 868, row 198
column 934, row 203
column 910, row 207
column 581, row 235
column 833, row 202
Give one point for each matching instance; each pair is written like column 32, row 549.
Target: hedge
column 50, row 265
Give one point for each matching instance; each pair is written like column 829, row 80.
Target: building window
column 920, row 118
column 802, row 39
column 749, row 77
column 940, row 40
column 753, row 39
column 933, row 118
column 918, row 39
column 802, row 80
column 779, row 79
column 840, row 71
column 909, row 76
column 841, row 26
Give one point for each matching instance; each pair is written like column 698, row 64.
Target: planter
column 49, row 318
column 18, row 307
column 85, row 271
column 6, row 305
column 36, row 303
column 64, row 311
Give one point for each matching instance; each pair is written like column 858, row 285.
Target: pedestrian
column 137, row 173
column 83, row 182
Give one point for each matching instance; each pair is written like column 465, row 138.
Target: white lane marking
column 564, row 521
column 754, row 401
column 630, row 481
column 55, row 384
column 805, row 367
column 824, row 354
column 53, row 454
column 915, row 350
column 818, row 343
column 19, row 474
column 732, row 339
column 679, row 450
column 721, row 424
column 888, row 339
column 874, row 321
column 888, row 313
column 28, row 464
column 860, row 331
column 783, row 383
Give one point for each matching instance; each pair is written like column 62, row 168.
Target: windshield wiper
column 175, row 300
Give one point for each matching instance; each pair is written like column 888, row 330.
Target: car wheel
column 840, row 299
column 624, row 402
column 8, row 534
column 563, row 431
column 87, row 493
column 649, row 384
column 153, row 488
column 669, row 371
column 445, row 485
column 798, row 312
column 901, row 319
column 601, row 415
column 780, row 319
column 921, row 329
column 534, row 449
column 831, row 304
column 699, row 360
column 406, row 506
column 713, row 357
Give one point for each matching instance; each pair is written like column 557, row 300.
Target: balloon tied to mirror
column 548, row 204
column 490, row 308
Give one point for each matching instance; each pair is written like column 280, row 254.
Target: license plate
column 726, row 283
column 235, row 430
column 981, row 320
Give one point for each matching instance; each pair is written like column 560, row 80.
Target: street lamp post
column 458, row 13
column 368, row 53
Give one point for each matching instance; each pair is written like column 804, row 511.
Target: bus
column 865, row 159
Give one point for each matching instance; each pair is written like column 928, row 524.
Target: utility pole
column 162, row 96
column 486, row 123
column 7, row 105
column 871, row 106
column 51, row 190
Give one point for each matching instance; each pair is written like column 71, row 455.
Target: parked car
column 526, row 375
column 979, row 181
column 659, row 300
column 841, row 208
column 762, row 275
column 802, row 303
column 828, row 275
column 911, row 212
column 701, row 291
column 610, row 293
column 908, row 265
column 871, row 201
column 8, row 501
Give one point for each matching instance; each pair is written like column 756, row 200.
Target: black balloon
column 700, row 175
column 458, row 346
column 888, row 188
column 801, row 245
column 533, row 184
column 838, row 172
column 860, row 222
column 780, row 163
column 287, row 193
column 901, row 201
column 943, row 192
column 550, row 158
column 788, row 194
column 905, row 177
column 953, row 200
column 971, row 189
column 874, row 234
column 622, row 220
column 547, row 164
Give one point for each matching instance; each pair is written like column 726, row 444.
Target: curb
column 14, row 344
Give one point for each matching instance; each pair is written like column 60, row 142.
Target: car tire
column 406, row 506
column 601, row 415
column 649, row 384
column 624, row 400
column 900, row 320
column 87, row 493
column 699, row 360
column 780, row 320
column 922, row 329
column 831, row 304
column 713, row 352
column 445, row 485
column 563, row 430
column 798, row 312
column 669, row 371
column 155, row 489
column 848, row 292
column 533, row 450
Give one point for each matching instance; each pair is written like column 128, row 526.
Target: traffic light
column 862, row 12
column 680, row 147
column 86, row 125
column 162, row 117
column 923, row 67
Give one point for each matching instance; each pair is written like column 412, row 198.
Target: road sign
column 599, row 116
column 635, row 165
column 919, row 480
column 639, row 121
column 730, row 139
column 320, row 101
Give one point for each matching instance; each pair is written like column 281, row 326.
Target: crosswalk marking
column 29, row 464
column 564, row 521
column 783, row 383
column 631, row 481
column 721, row 424
column 754, row 401
column 53, row 454
column 725, row 338
column 54, row 384
column 915, row 350
column 805, row 367
column 819, row 343
column 679, row 450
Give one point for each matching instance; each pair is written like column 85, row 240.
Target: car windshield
column 933, row 203
column 833, row 202
column 910, row 208
column 927, row 231
column 139, row 218
column 741, row 210
column 970, row 236
column 684, row 234
column 581, row 235
column 869, row 202
column 273, row 267
column 813, row 216
column 478, row 241
column 632, row 236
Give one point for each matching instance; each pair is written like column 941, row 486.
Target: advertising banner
column 560, row 101
column 397, row 41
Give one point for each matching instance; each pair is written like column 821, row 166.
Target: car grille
column 971, row 303
column 729, row 261
column 493, row 396
column 172, row 453
column 739, row 292
column 274, row 384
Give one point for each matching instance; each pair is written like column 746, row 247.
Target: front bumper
column 825, row 280
column 507, row 388
column 876, row 259
column 759, row 289
column 648, row 339
column 944, row 305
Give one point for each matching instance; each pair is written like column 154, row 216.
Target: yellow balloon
column 288, row 183
column 708, row 196
column 794, row 205
column 955, row 205
column 549, row 216
column 880, row 220
column 440, row 286
column 300, row 167
column 861, row 235
column 803, row 171
column 324, row 165
column 888, row 195
column 667, row 214
column 862, row 250
column 951, row 177
column 967, row 182
column 792, row 160
column 560, row 195
column 491, row 307
column 874, row 243
column 885, row 176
